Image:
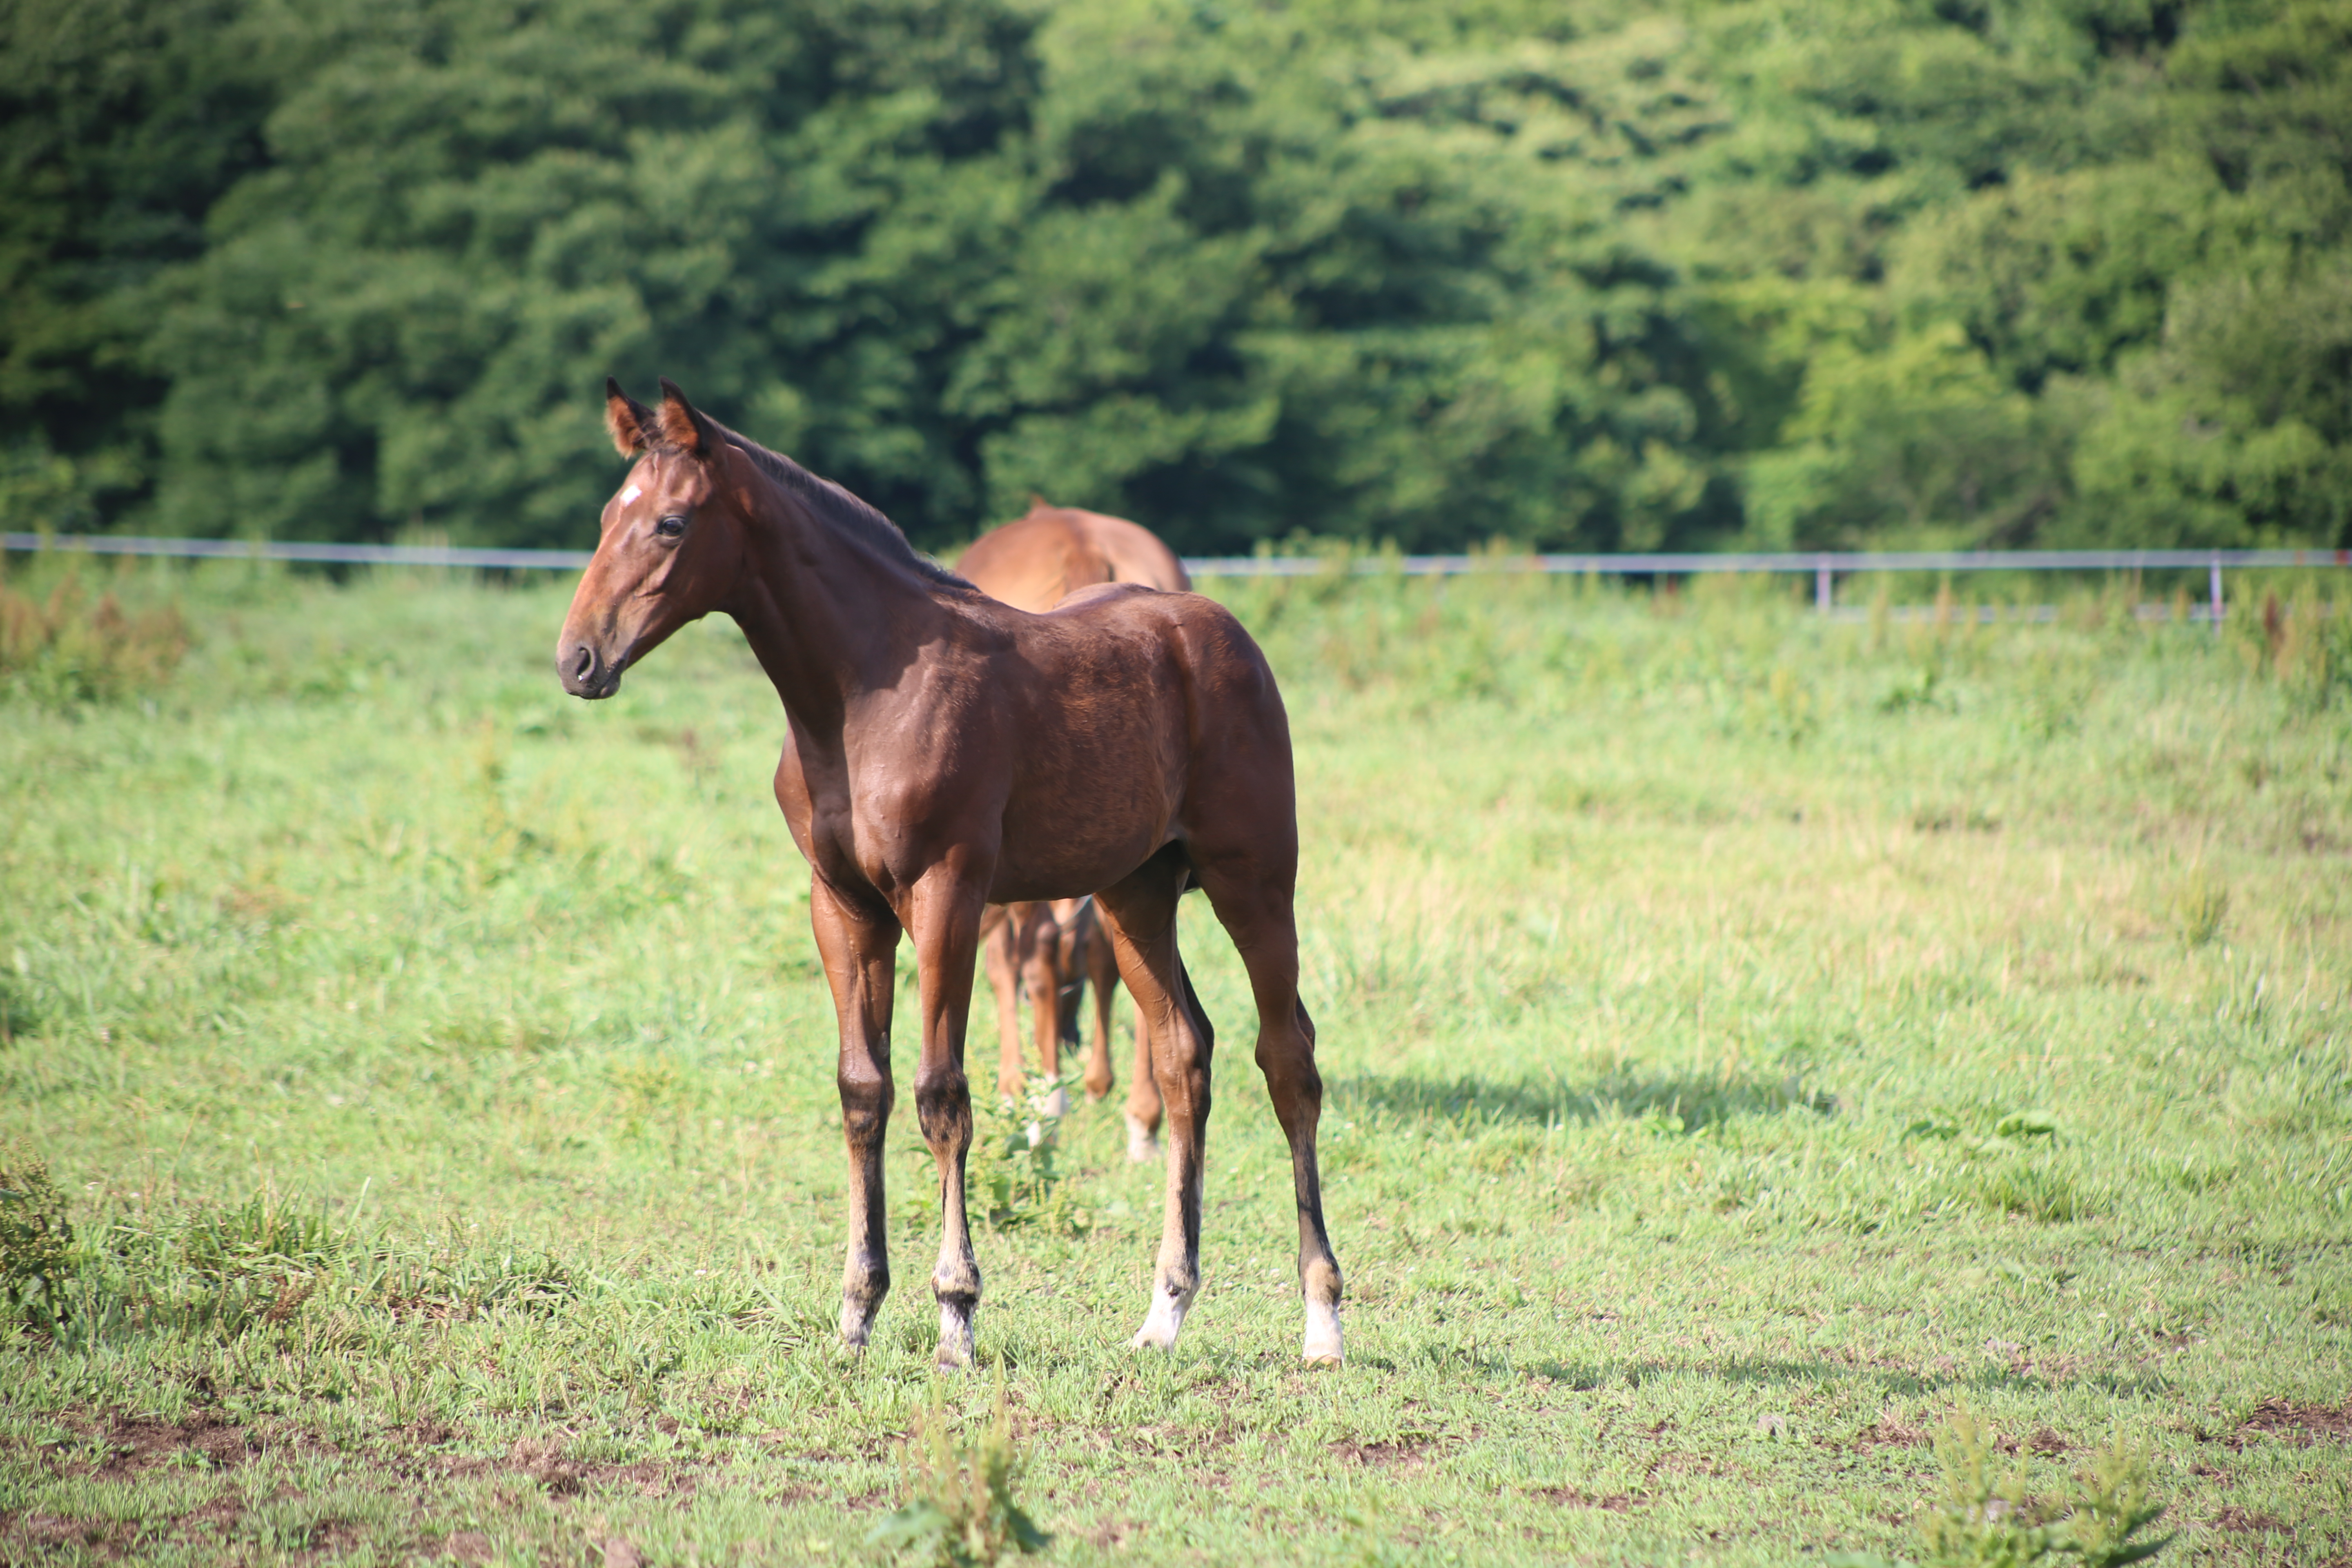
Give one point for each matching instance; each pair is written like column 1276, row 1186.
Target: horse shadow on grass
column 1669, row 1102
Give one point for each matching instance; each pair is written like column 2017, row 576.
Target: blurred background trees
column 1774, row 273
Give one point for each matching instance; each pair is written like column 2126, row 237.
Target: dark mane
column 838, row 507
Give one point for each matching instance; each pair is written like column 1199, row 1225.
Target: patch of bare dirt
column 2301, row 1425
column 212, row 1520
column 126, row 1445
column 333, row 1539
column 467, row 1546
column 47, row 1534
column 2048, row 1443
column 136, row 1443
column 546, row 1465
column 1403, row 1451
column 425, row 1432
column 1569, row 1497
column 1113, row 1534
column 2246, row 1522
column 1888, row 1432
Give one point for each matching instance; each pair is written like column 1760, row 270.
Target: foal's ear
column 632, row 424
column 683, row 427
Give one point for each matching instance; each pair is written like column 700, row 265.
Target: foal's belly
column 1090, row 855
column 1098, row 783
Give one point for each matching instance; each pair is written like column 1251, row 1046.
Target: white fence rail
column 1826, row 567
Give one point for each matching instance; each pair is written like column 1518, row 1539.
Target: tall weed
column 66, row 649
column 1985, row 1520
column 963, row 1513
column 35, row 1237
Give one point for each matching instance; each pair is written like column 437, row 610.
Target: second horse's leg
column 860, row 948
column 1086, row 960
column 1143, row 1107
column 1000, row 952
column 943, row 915
column 1041, row 972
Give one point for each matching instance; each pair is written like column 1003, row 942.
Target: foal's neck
column 830, row 613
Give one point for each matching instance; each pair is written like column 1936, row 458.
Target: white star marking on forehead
column 632, row 493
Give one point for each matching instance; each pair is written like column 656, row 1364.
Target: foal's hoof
column 1142, row 1148
column 858, row 1322
column 955, row 1337
column 1325, row 1345
column 1162, row 1323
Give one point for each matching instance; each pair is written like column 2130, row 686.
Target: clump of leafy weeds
column 2307, row 647
column 1011, row 1173
column 65, row 650
column 963, row 1513
column 35, row 1240
column 2036, row 1192
column 1986, row 1520
column 1917, row 692
column 217, row 1272
column 2200, row 904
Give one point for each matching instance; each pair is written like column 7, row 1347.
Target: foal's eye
column 671, row 526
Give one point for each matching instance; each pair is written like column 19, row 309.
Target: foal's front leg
column 943, row 915
column 859, row 947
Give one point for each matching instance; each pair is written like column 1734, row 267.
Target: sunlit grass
column 1727, row 1016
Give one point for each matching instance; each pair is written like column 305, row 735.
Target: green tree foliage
column 126, row 120
column 1652, row 273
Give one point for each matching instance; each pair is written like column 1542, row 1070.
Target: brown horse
column 1033, row 562
column 947, row 751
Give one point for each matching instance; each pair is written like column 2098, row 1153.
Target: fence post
column 1821, row 593
column 2215, row 615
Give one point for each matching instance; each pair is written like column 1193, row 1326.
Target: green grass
column 1750, row 1040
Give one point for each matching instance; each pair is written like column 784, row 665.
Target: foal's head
column 672, row 545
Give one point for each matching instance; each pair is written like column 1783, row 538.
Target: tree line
column 1633, row 274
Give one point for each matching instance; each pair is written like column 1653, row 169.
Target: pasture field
column 1751, row 1043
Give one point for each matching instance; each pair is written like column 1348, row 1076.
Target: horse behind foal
column 946, row 752
column 1033, row 562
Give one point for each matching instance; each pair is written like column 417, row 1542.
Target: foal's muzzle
column 585, row 672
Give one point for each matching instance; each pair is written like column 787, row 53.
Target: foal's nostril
column 583, row 663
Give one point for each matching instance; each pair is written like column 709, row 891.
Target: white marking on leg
column 955, row 1337
column 1142, row 1148
column 1163, row 1322
column 1325, row 1346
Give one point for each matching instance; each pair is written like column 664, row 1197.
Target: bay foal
column 946, row 752
column 1051, row 950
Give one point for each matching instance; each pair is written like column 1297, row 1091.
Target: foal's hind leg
column 1140, row 915
column 1257, row 912
column 859, row 950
